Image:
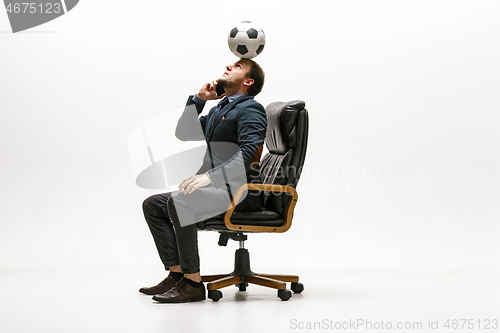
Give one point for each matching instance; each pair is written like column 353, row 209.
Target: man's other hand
column 192, row 183
column 207, row 91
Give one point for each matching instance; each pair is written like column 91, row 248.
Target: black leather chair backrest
column 286, row 140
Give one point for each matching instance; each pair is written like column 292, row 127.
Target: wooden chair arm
column 268, row 188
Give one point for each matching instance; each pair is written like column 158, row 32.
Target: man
column 238, row 120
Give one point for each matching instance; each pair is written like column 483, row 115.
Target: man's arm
column 189, row 127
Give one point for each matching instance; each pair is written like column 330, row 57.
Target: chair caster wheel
column 284, row 294
column 242, row 286
column 297, row 287
column 214, row 295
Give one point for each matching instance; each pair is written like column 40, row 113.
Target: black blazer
column 235, row 137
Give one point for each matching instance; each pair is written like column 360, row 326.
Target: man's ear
column 248, row 82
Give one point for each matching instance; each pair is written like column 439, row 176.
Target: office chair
column 286, row 141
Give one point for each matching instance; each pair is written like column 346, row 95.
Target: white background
column 402, row 168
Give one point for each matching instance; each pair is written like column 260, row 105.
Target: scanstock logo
column 26, row 14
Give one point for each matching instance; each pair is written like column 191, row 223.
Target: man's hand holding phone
column 210, row 90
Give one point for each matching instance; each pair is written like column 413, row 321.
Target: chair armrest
column 268, row 188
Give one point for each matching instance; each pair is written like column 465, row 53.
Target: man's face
column 234, row 75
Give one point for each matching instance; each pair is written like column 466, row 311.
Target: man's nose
column 229, row 67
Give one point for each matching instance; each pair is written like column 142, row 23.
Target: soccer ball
column 246, row 40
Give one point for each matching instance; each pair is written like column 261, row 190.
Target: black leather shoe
column 161, row 287
column 182, row 292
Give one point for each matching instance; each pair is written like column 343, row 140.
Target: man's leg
column 187, row 209
column 209, row 199
column 184, row 211
column 157, row 217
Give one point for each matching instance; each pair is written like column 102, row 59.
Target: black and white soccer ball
column 246, row 40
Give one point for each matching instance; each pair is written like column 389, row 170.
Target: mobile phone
column 219, row 90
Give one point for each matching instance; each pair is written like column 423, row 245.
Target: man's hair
column 257, row 74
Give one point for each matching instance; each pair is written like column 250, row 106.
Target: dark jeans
column 176, row 244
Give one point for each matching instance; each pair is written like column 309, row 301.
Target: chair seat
column 260, row 218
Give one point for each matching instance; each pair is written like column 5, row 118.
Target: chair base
column 243, row 275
